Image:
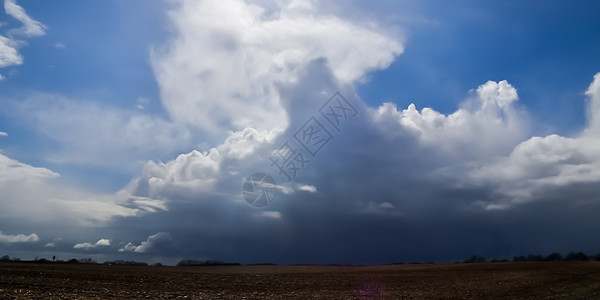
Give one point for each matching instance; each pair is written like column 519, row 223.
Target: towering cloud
column 221, row 70
column 237, row 80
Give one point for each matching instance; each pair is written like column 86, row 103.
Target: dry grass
column 551, row 280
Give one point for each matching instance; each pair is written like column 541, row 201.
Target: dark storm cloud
column 392, row 184
column 384, row 194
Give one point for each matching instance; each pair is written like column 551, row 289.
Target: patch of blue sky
column 96, row 51
column 547, row 50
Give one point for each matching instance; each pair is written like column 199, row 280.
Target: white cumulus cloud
column 546, row 167
column 593, row 106
column 197, row 172
column 18, row 238
column 308, row 188
column 88, row 245
column 486, row 125
column 154, row 242
column 53, row 243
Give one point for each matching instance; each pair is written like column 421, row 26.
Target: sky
column 298, row 131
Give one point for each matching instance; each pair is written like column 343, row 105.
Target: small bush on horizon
column 577, row 256
column 554, row 256
column 475, row 259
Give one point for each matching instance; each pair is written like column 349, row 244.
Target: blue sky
column 137, row 121
column 546, row 51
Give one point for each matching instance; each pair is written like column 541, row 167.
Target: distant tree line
column 44, row 260
column 206, row 263
column 185, row 262
column 86, row 260
column 7, row 258
column 125, row 263
column 554, row 256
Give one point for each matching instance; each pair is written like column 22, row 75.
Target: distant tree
column 54, row 258
column 87, row 260
column 73, row 261
column 554, row 256
column 535, row 257
column 576, row 256
column 519, row 258
column 157, row 264
column 189, row 262
column 5, row 258
column 596, row 257
column 475, row 259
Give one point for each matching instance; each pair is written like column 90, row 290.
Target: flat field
column 548, row 280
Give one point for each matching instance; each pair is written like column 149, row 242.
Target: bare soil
column 528, row 280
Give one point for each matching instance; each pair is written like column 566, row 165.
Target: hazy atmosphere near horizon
column 301, row 131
